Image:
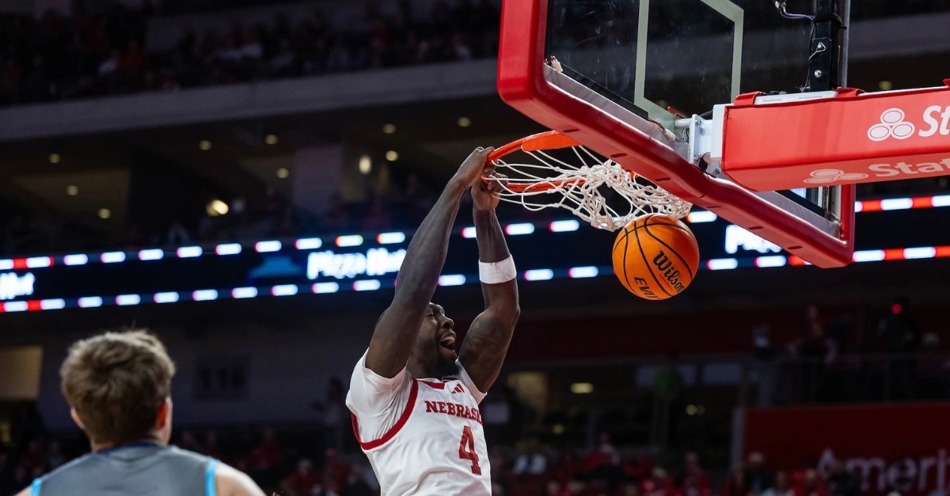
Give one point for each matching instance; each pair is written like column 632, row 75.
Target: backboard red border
column 522, row 85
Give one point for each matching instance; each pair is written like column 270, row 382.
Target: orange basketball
column 655, row 257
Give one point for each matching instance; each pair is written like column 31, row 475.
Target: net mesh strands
column 598, row 191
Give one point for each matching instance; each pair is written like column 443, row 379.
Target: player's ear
column 163, row 421
column 164, row 417
column 75, row 415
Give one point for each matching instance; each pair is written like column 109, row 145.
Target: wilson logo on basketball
column 893, row 124
column 672, row 275
column 655, row 257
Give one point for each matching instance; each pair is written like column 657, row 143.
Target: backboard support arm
column 828, row 52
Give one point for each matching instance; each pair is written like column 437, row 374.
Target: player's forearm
column 419, row 274
column 487, row 340
column 492, row 246
column 502, row 298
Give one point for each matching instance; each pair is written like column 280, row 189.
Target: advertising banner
column 904, row 448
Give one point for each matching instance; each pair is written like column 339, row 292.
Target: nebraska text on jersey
column 457, row 409
column 422, row 436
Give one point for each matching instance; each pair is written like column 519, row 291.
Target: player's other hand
column 486, row 192
column 473, row 167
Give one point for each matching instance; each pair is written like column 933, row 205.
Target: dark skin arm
column 487, row 340
column 418, row 277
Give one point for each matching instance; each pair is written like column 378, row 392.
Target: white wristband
column 497, row 272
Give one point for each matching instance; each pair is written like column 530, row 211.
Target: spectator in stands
column 841, row 482
column 189, row 442
column 695, row 481
column 603, row 463
column 161, row 80
column 132, row 61
column 568, row 465
column 35, row 457
column 360, row 482
column 22, row 476
column 773, row 380
column 9, row 82
column 6, row 473
column 840, row 332
column 36, row 83
column 303, row 481
column 658, row 484
column 530, row 460
column 638, row 466
column 286, row 62
column 811, row 484
column 501, row 414
column 70, row 57
column 213, row 445
column 555, row 488
column 736, row 485
column 781, row 487
column 335, row 471
column 184, row 54
column 266, row 459
column 814, row 351
column 757, row 477
column 933, row 368
column 500, row 466
column 902, row 337
column 27, row 424
column 54, row 456
column 334, row 416
column 838, row 385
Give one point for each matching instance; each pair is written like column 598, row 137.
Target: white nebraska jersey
column 422, row 436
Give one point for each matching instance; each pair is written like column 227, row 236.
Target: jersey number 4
column 467, row 450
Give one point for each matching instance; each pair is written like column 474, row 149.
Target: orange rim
column 543, row 186
column 550, row 140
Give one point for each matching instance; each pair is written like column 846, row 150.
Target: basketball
column 655, row 257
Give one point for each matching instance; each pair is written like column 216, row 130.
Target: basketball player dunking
column 414, row 400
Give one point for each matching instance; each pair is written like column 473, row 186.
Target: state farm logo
column 936, row 120
column 825, row 176
column 892, row 125
column 923, row 169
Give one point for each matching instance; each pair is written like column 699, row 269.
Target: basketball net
column 551, row 182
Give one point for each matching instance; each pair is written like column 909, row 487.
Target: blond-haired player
column 118, row 387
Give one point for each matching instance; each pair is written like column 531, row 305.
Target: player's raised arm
column 486, row 342
column 418, row 277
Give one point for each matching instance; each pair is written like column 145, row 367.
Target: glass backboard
column 653, row 56
column 625, row 77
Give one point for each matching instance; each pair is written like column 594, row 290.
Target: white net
column 599, row 191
